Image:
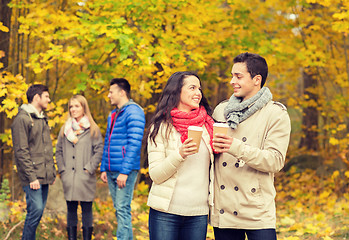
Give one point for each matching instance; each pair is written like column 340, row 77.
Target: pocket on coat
column 254, row 196
column 39, row 166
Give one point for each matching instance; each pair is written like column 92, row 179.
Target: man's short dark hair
column 35, row 89
column 123, row 84
column 256, row 65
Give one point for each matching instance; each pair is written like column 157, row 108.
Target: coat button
column 235, row 213
column 253, row 190
column 222, row 187
column 236, row 188
column 73, row 169
column 224, row 164
column 73, row 157
column 244, row 139
column 221, row 211
column 236, row 165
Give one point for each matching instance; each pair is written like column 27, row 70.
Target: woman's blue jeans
column 175, row 227
column 36, row 202
column 239, row 234
column 122, row 198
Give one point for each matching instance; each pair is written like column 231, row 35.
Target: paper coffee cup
column 195, row 133
column 220, row 128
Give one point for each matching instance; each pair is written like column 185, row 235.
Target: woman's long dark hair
column 170, row 99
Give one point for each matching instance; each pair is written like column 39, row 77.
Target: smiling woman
column 179, row 205
column 190, row 94
column 78, row 153
column 76, row 110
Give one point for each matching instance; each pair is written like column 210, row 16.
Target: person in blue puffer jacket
column 122, row 152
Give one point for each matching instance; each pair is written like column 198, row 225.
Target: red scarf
column 198, row 117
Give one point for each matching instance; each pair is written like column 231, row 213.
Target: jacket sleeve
column 271, row 158
column 59, row 153
column 135, row 128
column 97, row 152
column 20, row 137
column 105, row 148
column 162, row 167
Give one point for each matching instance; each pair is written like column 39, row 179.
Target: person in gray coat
column 78, row 153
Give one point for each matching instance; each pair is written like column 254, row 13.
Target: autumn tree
column 78, row 46
column 5, row 24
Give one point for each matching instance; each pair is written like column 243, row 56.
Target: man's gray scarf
column 238, row 111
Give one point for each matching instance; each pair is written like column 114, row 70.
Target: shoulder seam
column 282, row 106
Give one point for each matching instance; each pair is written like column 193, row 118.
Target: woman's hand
column 222, row 142
column 188, row 148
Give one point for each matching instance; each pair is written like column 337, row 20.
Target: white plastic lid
column 195, row 128
column 220, row 125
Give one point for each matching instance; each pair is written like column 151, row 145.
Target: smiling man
column 122, row 152
column 252, row 151
column 33, row 151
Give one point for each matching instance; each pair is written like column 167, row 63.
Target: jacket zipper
column 111, row 132
column 123, row 151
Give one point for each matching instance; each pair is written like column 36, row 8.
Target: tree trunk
column 5, row 18
column 310, row 121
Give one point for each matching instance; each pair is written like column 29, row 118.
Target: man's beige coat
column 244, row 177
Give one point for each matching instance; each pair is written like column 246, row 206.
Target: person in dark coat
column 33, row 151
column 78, row 153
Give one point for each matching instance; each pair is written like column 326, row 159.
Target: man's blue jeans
column 239, row 234
column 36, row 202
column 175, row 227
column 122, row 198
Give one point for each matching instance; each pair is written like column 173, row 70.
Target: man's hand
column 35, row 185
column 104, row 177
column 222, row 142
column 121, row 180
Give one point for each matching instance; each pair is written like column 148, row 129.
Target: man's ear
column 257, row 80
column 36, row 98
column 123, row 93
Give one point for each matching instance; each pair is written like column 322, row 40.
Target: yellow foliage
column 335, row 174
column 327, row 238
column 143, row 217
column 143, row 187
column 346, row 174
column 291, row 238
column 3, row 28
column 144, row 171
column 334, row 141
column 287, row 221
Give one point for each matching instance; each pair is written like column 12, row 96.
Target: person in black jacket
column 33, row 152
